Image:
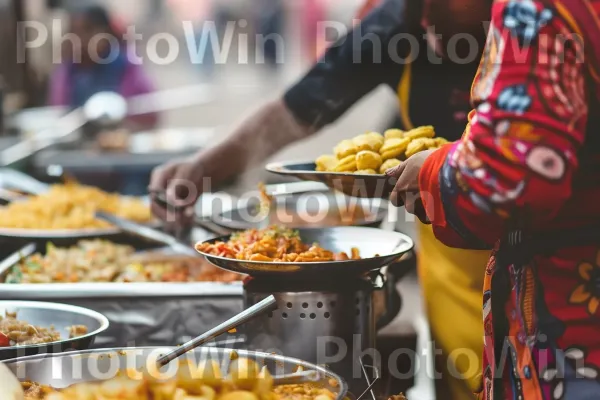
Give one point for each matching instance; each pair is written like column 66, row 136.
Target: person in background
column 80, row 75
column 451, row 279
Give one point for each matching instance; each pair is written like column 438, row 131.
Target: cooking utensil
column 148, row 233
column 161, row 199
column 265, row 306
column 17, row 180
column 15, row 258
column 57, row 370
column 377, row 247
column 355, row 185
column 61, row 316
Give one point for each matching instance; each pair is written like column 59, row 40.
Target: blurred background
column 191, row 101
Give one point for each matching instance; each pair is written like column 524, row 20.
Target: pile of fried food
column 14, row 332
column 373, row 153
column 105, row 261
column 275, row 244
column 245, row 381
column 71, row 206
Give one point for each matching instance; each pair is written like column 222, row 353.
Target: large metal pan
column 377, row 247
column 60, row 316
column 354, row 185
column 63, row 370
column 304, row 210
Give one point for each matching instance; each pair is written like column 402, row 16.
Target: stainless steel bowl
column 63, row 370
column 61, row 316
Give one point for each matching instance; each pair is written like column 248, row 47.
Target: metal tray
column 63, row 370
column 60, row 316
column 317, row 205
column 354, row 185
column 141, row 314
column 377, row 247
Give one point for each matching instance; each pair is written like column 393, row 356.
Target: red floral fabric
column 531, row 148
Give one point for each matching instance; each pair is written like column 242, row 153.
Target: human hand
column 179, row 183
column 406, row 191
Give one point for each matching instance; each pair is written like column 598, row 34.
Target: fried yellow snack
column 371, row 141
column 421, row 132
column 394, row 134
column 389, row 164
column 366, row 172
column 393, row 148
column 368, row 142
column 344, row 149
column 326, row 163
column 430, row 143
column 416, row 146
column 441, row 141
column 346, row 164
column 368, row 160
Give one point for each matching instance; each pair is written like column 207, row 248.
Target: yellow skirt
column 452, row 283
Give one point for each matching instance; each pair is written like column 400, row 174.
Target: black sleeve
column 371, row 54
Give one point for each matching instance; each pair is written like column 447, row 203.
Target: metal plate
column 377, row 247
column 63, row 370
column 355, row 185
column 313, row 209
column 60, row 316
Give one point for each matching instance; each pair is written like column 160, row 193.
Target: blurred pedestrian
column 91, row 66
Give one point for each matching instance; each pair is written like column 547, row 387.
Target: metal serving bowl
column 61, row 316
column 63, row 370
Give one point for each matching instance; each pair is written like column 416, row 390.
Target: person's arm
column 327, row 91
column 371, row 54
column 519, row 151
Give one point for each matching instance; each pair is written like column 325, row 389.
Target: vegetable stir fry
column 276, row 244
column 104, row 261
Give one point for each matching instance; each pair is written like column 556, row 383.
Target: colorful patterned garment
column 530, row 154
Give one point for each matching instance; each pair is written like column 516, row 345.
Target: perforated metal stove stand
column 328, row 323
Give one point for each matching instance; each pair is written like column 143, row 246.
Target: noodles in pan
column 275, row 244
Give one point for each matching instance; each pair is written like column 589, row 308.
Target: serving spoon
column 267, row 305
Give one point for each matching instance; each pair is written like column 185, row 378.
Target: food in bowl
column 373, row 153
column 275, row 244
column 104, row 261
column 14, row 332
column 244, row 381
column 71, row 206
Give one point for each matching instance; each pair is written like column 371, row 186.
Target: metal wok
column 61, row 316
column 377, row 247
